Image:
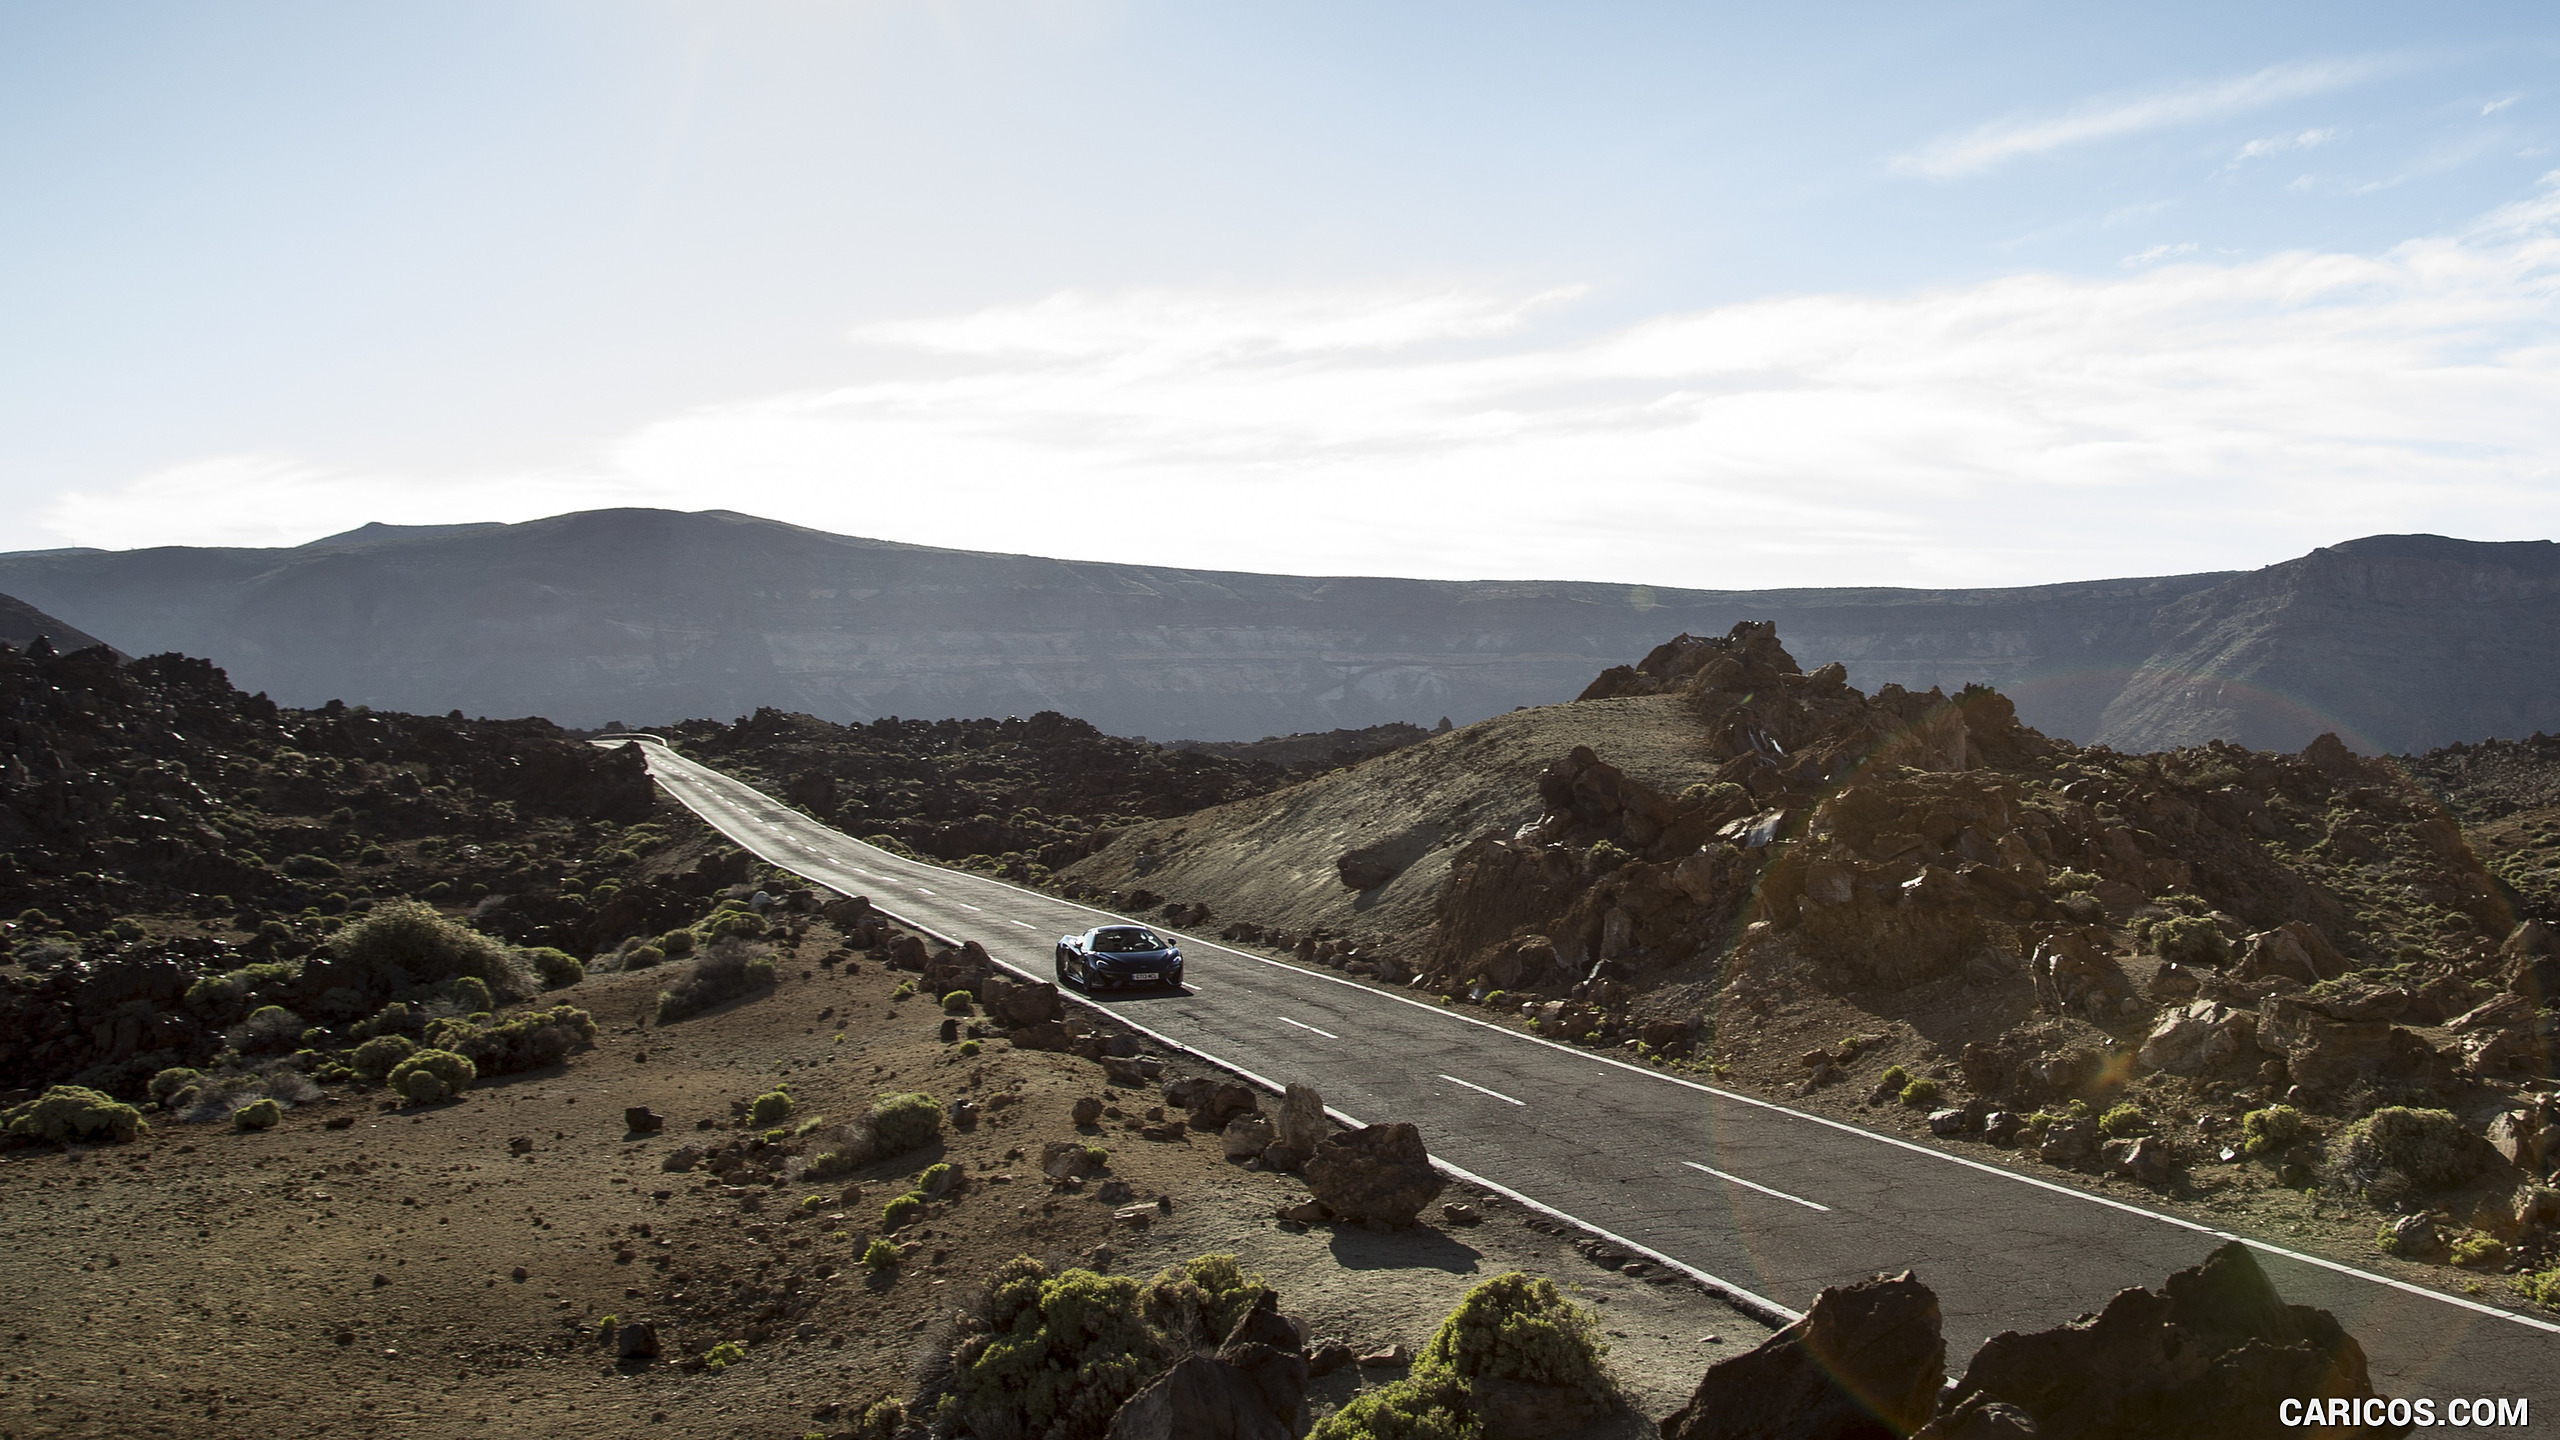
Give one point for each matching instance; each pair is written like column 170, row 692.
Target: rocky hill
column 22, row 624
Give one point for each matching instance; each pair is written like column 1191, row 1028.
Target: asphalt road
column 1766, row 1203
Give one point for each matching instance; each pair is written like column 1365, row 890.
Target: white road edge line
column 1755, row 1185
column 1496, row 1094
column 1303, row 1025
column 1725, row 1288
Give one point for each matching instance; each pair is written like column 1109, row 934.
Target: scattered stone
column 1067, row 1160
column 1253, row 1388
column 1301, row 1124
column 1088, row 1110
column 641, row 1120
column 1950, row 1122
column 1863, row 1353
column 2198, row 1037
column 1114, row 1192
column 1394, row 1355
column 1329, row 1356
column 1246, row 1137
column 635, row 1340
column 1305, row 1212
column 681, row 1159
column 1459, row 1213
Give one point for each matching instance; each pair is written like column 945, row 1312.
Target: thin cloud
column 2027, row 428
column 1989, row 146
column 2158, row 253
column 2278, row 144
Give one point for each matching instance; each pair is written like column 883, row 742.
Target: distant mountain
column 2400, row 643
column 21, row 624
column 652, row 615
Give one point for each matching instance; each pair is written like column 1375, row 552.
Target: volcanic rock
column 1866, row 1361
column 1378, row 1172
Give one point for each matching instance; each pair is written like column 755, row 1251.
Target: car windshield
column 1125, row 942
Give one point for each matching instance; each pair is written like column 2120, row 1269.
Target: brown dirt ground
column 310, row 1281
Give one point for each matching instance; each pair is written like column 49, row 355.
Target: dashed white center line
column 922, row 891
column 1303, row 1025
column 1496, row 1094
column 1023, row 923
column 1748, row 1185
column 965, row 905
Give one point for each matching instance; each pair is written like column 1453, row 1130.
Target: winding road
column 1764, row 1203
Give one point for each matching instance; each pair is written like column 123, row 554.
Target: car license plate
column 1146, row 975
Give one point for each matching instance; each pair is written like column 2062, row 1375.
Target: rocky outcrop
column 1866, row 1361
column 1378, row 1173
column 2212, row 1353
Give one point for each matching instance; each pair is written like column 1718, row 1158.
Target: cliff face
column 648, row 616
column 2400, row 643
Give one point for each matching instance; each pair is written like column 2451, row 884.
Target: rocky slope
column 22, row 624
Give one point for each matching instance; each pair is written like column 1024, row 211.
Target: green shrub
column 2190, row 940
column 882, row 1254
column 678, row 944
column 310, row 867
column 2542, row 1287
column 527, row 1040
column 769, row 1109
column 643, row 957
column 1426, row 1406
column 1518, row 1327
column 886, row 1420
column 396, row 1018
column 432, row 1075
column 969, row 1047
column 1894, row 1079
column 558, row 968
column 2275, row 1129
column 262, row 1113
column 1059, row 1354
column 66, row 1113
column 898, row 1213
column 2066, row 882
column 2401, row 1145
column 400, row 944
column 906, row 991
column 723, row 1355
column 724, row 972
column 374, row 1058
column 901, row 1123
column 1921, row 1093
column 175, row 1088
column 958, row 1002
column 471, row 994
column 2123, row 1122
column 2477, row 1251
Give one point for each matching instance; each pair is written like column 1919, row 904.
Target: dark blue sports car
column 1109, row 956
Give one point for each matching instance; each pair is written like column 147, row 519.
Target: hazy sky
column 1699, row 295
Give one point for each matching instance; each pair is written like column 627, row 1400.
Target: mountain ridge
column 647, row 616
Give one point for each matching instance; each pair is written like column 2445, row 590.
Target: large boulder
column 2214, row 1353
column 966, row 968
column 2198, row 1037
column 1865, row 1363
column 1253, row 1388
column 2073, row 976
column 1301, row 1124
column 1378, row 1172
column 2324, row 1053
column 2295, row 950
column 1016, row 1003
